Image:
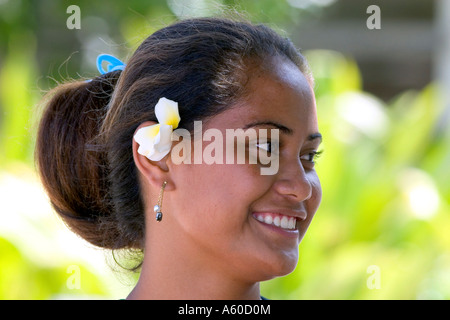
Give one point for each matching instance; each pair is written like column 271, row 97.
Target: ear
column 154, row 172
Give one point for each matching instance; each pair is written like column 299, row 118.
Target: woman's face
column 232, row 217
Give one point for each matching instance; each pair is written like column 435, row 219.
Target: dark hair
column 84, row 141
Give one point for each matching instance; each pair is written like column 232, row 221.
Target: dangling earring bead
column 157, row 208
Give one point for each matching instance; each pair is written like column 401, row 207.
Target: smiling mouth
column 277, row 220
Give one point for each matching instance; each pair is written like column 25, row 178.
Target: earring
column 157, row 208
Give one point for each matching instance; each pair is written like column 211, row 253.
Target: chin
column 279, row 267
column 287, row 267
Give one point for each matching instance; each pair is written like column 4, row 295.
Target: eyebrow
column 283, row 129
column 315, row 136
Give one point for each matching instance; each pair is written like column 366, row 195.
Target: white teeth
column 284, row 222
column 260, row 218
column 276, row 221
column 292, row 223
column 268, row 219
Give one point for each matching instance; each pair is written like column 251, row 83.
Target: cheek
column 217, row 197
column 316, row 197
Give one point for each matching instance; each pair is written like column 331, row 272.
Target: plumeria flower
column 155, row 141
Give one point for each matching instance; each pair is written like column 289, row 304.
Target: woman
column 121, row 177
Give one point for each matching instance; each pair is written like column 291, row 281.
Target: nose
column 293, row 182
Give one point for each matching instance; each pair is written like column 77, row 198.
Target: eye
column 311, row 156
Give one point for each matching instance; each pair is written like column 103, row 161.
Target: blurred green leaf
column 22, row 279
column 17, row 97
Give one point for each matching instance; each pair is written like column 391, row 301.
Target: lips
column 278, row 220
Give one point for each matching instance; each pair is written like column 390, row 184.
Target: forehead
column 280, row 81
column 277, row 91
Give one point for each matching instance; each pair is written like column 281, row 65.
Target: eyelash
column 312, row 156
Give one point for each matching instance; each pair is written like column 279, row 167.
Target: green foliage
column 23, row 279
column 16, row 98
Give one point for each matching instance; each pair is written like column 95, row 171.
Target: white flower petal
column 156, row 155
column 155, row 141
column 164, row 142
column 166, row 112
column 146, row 137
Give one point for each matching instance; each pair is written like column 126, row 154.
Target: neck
column 174, row 272
column 165, row 287
column 184, row 283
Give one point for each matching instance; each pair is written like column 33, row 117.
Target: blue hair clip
column 113, row 63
